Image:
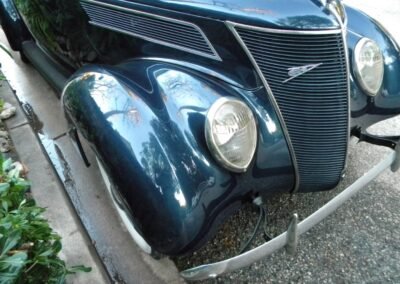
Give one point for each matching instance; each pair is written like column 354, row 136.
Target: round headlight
column 368, row 65
column 231, row 133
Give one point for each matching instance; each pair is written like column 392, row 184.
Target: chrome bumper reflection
column 289, row 238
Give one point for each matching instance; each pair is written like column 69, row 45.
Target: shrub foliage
column 28, row 246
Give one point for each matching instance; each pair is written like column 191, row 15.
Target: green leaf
column 6, row 165
column 4, row 187
column 79, row 268
column 23, row 202
column 5, row 224
column 11, row 267
column 5, row 48
column 57, row 246
column 4, row 204
column 46, row 253
column 8, row 278
column 12, row 240
column 13, row 263
column 60, row 279
column 22, row 184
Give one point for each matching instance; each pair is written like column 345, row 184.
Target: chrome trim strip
column 215, row 55
column 212, row 270
column 343, row 26
column 198, row 68
column 280, row 31
column 231, row 26
column 354, row 33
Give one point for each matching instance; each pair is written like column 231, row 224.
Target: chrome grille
column 314, row 105
column 166, row 31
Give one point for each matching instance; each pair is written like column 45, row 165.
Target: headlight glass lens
column 231, row 133
column 368, row 64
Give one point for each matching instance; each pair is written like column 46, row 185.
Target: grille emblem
column 294, row 72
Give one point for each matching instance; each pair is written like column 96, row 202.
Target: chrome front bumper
column 289, row 238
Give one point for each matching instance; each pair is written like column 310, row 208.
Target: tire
column 125, row 218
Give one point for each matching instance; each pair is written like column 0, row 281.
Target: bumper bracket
column 289, row 238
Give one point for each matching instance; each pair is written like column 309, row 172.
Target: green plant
column 3, row 47
column 28, row 246
column 2, row 102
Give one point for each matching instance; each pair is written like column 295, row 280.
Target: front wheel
column 124, row 215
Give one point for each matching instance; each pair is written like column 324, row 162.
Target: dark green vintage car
column 195, row 108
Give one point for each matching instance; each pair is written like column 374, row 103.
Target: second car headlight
column 231, row 133
column 368, row 65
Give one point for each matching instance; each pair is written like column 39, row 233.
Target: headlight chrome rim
column 210, row 140
column 357, row 67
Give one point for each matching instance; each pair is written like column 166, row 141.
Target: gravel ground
column 359, row 243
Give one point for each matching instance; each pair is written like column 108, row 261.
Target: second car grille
column 314, row 105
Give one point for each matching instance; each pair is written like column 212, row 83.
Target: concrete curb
column 49, row 193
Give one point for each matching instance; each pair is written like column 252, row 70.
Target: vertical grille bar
column 314, row 105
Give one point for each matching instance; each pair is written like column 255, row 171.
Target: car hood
column 290, row 14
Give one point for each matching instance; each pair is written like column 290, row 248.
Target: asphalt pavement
column 360, row 243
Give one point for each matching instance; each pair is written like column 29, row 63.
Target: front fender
column 145, row 121
column 366, row 110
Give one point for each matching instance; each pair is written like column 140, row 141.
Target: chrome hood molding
column 283, row 14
